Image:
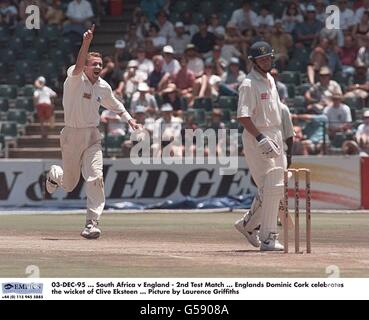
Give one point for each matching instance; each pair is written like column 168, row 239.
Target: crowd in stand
column 181, row 62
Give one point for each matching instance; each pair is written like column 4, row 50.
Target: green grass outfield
column 176, row 244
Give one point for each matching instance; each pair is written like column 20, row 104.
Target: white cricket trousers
column 268, row 176
column 81, row 152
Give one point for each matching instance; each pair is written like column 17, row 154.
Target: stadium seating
column 9, row 129
column 24, row 103
column 19, row 116
column 228, row 102
column 203, row 103
column 8, row 91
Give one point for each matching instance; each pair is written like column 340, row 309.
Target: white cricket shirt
column 82, row 100
column 259, row 100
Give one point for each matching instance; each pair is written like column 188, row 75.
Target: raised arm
column 82, row 55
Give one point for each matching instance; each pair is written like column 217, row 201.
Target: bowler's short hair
column 92, row 55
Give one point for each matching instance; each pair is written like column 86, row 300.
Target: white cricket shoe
column 54, row 178
column 272, row 243
column 91, row 231
column 251, row 236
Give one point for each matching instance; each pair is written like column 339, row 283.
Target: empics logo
column 22, row 288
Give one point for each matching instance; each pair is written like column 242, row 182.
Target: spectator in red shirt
column 347, row 55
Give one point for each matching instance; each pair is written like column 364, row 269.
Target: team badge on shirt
column 87, row 96
column 264, row 96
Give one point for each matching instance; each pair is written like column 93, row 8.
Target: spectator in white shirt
column 180, row 41
column 79, row 14
column 171, row 65
column 347, row 17
column 195, row 63
column 166, row 27
column 245, row 18
column 265, row 20
column 145, row 65
column 42, row 99
column 338, row 114
column 144, row 98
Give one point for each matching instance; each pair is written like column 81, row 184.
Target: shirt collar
column 85, row 78
column 259, row 77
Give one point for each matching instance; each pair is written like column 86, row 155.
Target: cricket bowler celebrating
column 259, row 111
column 80, row 139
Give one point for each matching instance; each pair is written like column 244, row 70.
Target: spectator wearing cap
column 121, row 54
column 362, row 132
column 245, row 18
column 144, row 98
column 216, row 61
column 184, row 79
column 215, row 26
column 347, row 55
column 323, row 55
column 181, row 39
column 281, row 42
column 80, row 15
column 203, row 39
column 291, row 17
column 233, row 77
column 281, row 87
column 358, row 83
column 195, row 63
column 166, row 27
column 171, row 65
column 338, row 115
column 319, row 95
column 148, row 125
column 42, row 99
column 54, row 13
column 308, row 31
column 131, row 78
column 167, row 128
column 111, row 74
column 171, row 95
column 361, row 11
column 145, row 65
column 158, row 78
column 360, row 29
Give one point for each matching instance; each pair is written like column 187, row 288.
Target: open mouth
column 97, row 73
